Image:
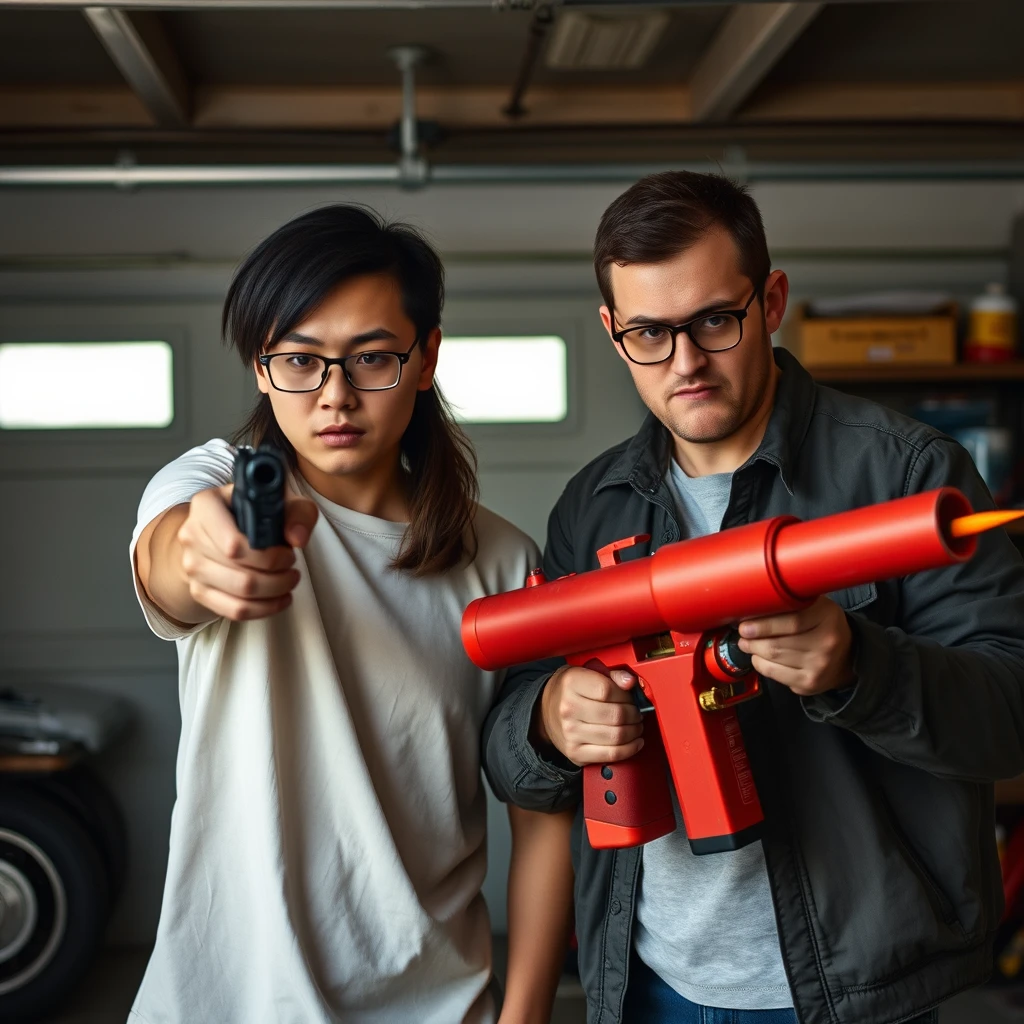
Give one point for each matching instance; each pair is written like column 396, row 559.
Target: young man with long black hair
column 328, row 842
column 889, row 709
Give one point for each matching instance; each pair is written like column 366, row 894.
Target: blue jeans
column 649, row 1000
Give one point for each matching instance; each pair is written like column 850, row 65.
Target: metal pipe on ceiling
column 130, row 176
column 412, row 168
column 543, row 18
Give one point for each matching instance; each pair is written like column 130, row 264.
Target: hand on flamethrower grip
column 810, row 651
column 223, row 573
column 589, row 716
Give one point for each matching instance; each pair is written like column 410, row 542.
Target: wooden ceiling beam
column 900, row 101
column 750, row 42
column 373, row 109
column 355, row 108
column 473, row 107
column 139, row 47
column 55, row 107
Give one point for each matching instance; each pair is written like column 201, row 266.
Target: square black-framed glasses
column 692, row 329
column 343, row 361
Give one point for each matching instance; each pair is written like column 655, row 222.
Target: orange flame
column 979, row 522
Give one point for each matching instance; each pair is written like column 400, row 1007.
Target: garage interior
column 146, row 147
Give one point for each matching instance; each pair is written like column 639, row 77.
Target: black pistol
column 258, row 498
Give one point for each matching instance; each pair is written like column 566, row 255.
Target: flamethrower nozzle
column 979, row 522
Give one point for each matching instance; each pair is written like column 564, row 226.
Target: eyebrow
column 712, row 307
column 376, row 334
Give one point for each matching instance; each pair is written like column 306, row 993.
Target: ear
column 430, row 352
column 606, row 319
column 262, row 382
column 776, row 295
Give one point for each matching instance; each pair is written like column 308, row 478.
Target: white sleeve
column 209, row 465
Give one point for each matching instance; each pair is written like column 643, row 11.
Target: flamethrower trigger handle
column 628, row 803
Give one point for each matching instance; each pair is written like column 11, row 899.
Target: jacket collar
column 644, row 461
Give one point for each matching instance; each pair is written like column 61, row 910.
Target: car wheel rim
column 18, row 911
column 33, row 910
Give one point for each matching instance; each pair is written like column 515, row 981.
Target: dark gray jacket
column 879, row 824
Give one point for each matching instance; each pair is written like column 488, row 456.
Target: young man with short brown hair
column 889, row 708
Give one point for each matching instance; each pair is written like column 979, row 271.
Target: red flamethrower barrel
column 877, row 542
column 760, row 569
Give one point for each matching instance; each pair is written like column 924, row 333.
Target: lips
column 699, row 391
column 343, row 435
column 341, row 428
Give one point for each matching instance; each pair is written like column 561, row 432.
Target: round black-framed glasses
column 715, row 331
column 301, row 372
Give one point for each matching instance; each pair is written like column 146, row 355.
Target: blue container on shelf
column 992, row 451
column 952, row 414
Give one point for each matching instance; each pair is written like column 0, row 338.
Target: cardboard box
column 869, row 340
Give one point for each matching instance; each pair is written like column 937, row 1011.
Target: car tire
column 80, row 790
column 55, row 902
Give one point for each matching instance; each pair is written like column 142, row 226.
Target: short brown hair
column 664, row 214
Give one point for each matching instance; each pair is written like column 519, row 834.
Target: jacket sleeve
column 943, row 687
column 519, row 773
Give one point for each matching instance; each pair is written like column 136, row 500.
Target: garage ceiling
column 223, row 80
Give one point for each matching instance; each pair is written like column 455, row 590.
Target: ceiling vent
column 604, row 42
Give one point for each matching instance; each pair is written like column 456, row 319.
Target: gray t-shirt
column 706, row 924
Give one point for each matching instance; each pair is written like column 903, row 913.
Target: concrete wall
column 109, row 264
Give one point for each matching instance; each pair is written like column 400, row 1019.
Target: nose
column 336, row 392
column 688, row 359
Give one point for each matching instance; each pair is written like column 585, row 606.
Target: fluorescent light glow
column 59, row 386
column 504, row 379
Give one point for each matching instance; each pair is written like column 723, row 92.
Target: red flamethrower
column 668, row 619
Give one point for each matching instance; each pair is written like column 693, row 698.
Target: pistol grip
column 627, row 803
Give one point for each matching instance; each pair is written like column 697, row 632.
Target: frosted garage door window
column 110, row 384
column 504, row 380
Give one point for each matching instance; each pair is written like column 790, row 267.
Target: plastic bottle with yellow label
column 992, row 327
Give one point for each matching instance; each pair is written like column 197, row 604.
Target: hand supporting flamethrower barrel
column 668, row 618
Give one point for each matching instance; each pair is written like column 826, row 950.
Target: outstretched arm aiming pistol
column 196, row 563
column 668, row 619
